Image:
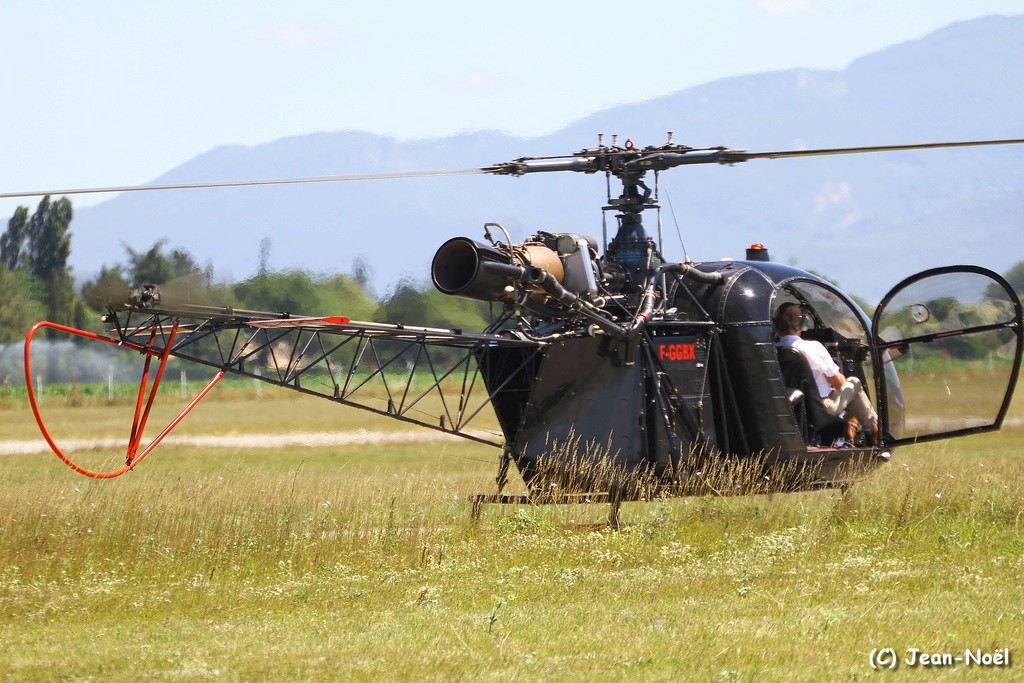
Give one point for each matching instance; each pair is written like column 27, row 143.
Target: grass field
column 362, row 563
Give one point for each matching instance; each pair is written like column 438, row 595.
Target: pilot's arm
column 836, row 381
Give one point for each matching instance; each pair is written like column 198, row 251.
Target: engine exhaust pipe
column 462, row 267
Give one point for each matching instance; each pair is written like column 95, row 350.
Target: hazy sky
column 102, row 92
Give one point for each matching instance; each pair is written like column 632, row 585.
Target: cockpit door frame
column 883, row 350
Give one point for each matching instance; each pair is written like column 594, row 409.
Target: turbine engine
column 545, row 265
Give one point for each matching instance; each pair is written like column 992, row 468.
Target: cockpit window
column 824, row 309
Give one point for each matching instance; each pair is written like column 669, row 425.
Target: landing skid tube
column 538, row 498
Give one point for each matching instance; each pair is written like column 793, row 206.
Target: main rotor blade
column 718, row 155
column 247, row 183
column 790, row 154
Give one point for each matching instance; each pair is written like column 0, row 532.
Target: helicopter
column 612, row 374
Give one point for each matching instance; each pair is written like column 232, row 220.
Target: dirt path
column 360, row 437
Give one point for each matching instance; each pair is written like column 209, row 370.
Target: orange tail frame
column 143, row 402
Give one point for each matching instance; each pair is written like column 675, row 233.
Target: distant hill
column 865, row 221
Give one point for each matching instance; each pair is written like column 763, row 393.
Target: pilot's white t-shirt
column 818, row 358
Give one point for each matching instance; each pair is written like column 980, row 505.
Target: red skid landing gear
column 143, row 402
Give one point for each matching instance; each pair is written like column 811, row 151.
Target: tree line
column 36, row 283
column 35, row 280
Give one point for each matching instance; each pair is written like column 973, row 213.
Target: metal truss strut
column 421, row 375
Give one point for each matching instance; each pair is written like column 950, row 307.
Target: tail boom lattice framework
column 421, row 375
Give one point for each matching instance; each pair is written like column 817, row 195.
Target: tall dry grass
column 348, row 563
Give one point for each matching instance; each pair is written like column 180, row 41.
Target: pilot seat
column 818, row 426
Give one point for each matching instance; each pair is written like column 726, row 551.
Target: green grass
column 363, row 564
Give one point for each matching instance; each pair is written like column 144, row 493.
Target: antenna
column 686, row 255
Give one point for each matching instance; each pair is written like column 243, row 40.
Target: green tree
column 180, row 277
column 49, row 239
column 342, row 295
column 183, row 263
column 1015, row 277
column 288, row 292
column 149, row 267
column 108, row 287
column 299, row 293
column 19, row 310
column 157, row 266
column 45, row 257
column 412, row 305
column 45, row 245
column 13, row 240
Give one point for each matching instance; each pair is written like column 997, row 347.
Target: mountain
column 865, row 221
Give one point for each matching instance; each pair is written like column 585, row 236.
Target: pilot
column 838, row 392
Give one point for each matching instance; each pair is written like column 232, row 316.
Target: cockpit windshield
column 824, row 310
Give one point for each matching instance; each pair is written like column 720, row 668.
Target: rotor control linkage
column 621, row 163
